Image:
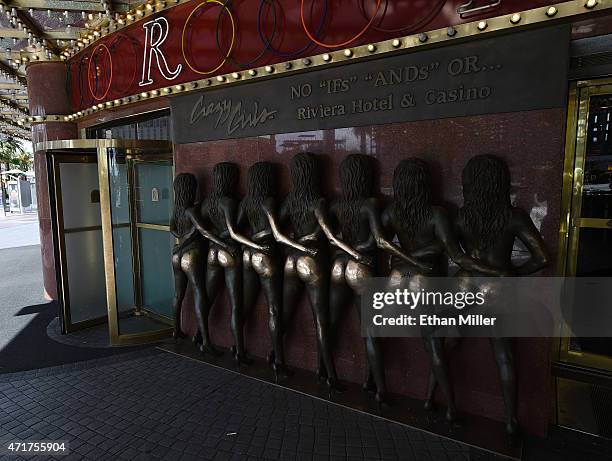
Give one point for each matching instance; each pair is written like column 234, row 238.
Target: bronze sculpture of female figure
column 488, row 226
column 307, row 264
column 357, row 215
column 188, row 256
column 425, row 231
column 262, row 257
column 224, row 262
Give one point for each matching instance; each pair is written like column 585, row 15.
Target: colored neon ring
column 337, row 45
column 291, row 54
column 231, row 43
column 110, row 81
column 266, row 47
column 80, row 80
column 406, row 29
column 134, row 43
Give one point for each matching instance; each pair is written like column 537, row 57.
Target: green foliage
column 13, row 156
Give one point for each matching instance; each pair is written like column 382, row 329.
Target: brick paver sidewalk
column 152, row 404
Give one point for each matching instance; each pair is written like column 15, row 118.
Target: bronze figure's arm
column 384, row 244
column 433, row 248
column 229, row 212
column 184, row 240
column 446, row 235
column 206, row 233
column 173, row 229
column 323, row 220
column 366, row 244
column 279, row 236
column 529, row 235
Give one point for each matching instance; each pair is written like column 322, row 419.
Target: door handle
column 609, row 223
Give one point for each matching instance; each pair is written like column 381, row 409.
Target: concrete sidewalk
column 19, row 230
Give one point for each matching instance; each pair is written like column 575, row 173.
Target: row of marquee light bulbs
column 35, row 39
column 116, row 23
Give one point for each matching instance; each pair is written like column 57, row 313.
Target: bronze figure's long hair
column 412, row 194
column 261, row 184
column 224, row 183
column 185, row 189
column 486, row 198
column 305, row 189
column 356, row 184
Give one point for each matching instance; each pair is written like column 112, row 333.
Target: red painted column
column 48, row 95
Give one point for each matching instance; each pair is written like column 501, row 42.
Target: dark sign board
column 514, row 72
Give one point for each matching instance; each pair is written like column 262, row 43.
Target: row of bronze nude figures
column 214, row 248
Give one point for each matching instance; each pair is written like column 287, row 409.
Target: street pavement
column 24, row 312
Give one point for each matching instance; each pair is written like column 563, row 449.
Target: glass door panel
column 139, row 206
column 590, row 236
column 77, row 197
column 122, row 236
column 153, row 187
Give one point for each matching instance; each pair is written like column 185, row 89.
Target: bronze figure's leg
column 356, row 274
column 439, row 371
column 339, row 296
column 233, row 281
column 180, row 287
column 192, row 263
column 292, row 290
column 432, row 387
column 317, row 286
column 271, row 282
column 250, row 284
column 214, row 276
column 502, row 349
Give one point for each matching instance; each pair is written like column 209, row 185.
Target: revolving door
column 112, row 207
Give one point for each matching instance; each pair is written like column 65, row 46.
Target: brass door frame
column 64, row 292
column 133, row 149
column 571, row 222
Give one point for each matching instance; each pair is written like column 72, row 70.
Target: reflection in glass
column 154, row 186
column 594, row 260
column 156, row 271
column 597, row 186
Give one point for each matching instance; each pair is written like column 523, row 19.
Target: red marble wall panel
column 47, row 88
column 533, row 145
column 48, row 95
